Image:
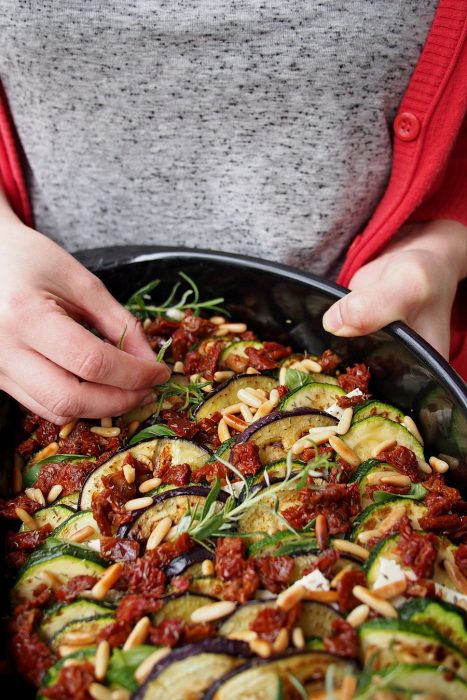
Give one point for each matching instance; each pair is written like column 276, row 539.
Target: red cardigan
column 429, row 170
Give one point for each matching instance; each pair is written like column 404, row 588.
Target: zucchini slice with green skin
column 361, row 475
column 376, row 513
column 71, row 500
column 417, row 680
column 179, row 450
column 238, row 348
column 366, row 434
column 394, row 640
column 60, row 615
column 226, row 394
column 90, row 625
column 261, row 518
column 377, row 408
column 174, row 503
column 52, row 515
column 86, row 655
column 275, row 434
column 188, row 671
column 448, row 620
column 276, row 470
column 317, row 395
column 260, row 678
column 75, row 522
column 65, row 561
column 180, row 606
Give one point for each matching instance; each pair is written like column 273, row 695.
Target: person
column 262, row 128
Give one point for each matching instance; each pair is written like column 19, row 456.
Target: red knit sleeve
column 448, row 197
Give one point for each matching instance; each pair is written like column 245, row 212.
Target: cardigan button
column 406, row 126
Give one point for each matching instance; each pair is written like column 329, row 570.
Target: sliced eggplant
column 60, row 615
column 261, row 678
column 366, row 434
column 68, row 528
column 180, row 606
column 317, row 395
column 175, row 504
column 226, row 394
column 275, row 434
column 179, row 451
column 192, row 558
column 188, row 671
column 263, row 517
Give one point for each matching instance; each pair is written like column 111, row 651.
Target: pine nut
column 245, row 636
column 233, row 408
column 423, row 466
column 246, row 396
column 218, row 320
column 213, row 611
column 456, row 576
column 282, row 376
column 138, row 634
column 35, row 495
column 348, row 687
column 105, row 432
column 322, row 531
column 235, row 422
column 260, row 393
column 375, row 477
column 146, row 323
column 252, row 370
column 281, row 642
column 121, row 694
column 108, row 579
column 311, row 366
column 49, row 451
column 368, row 535
column 439, row 465
column 358, row 615
column 340, row 574
column 373, row 601
column 391, row 590
column 396, row 480
column 66, row 649
column 222, row 376
column 150, row 484
column 129, row 473
column 345, row 421
column 208, row 388
column 54, row 493
column 298, row 638
column 51, row 580
column 17, row 480
column 137, row 503
column 394, row 516
column 106, row 422
column 158, row 534
column 264, row 410
column 132, row 427
column 290, row 597
column 232, row 328
column 246, row 413
column 179, row 367
column 101, row 661
column 320, row 596
column 223, row 432
column 147, row 461
column 207, row 568
column 27, row 519
column 411, row 426
column 145, row 668
column 382, row 447
column 344, row 451
column 80, row 639
column 99, row 692
column 261, row 648
column 67, row 429
column 274, row 397
column 85, row 533
column 347, row 547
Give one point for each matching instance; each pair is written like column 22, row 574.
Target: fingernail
column 163, row 373
column 332, row 319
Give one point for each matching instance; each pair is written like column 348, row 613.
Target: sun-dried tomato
column 417, row 551
column 145, row 575
column 116, row 633
column 180, row 423
column 343, row 639
column 119, row 548
column 133, row 607
column 46, row 432
column 283, row 389
column 169, row 633
column 267, row 357
column 197, row 631
column 242, row 588
column 230, row 557
column 345, row 597
column 27, row 447
column 73, row 588
column 177, row 474
column 370, row 490
column 162, row 326
column 204, row 364
column 191, row 329
column 82, row 441
column 403, row 460
column 329, row 361
column 108, row 505
column 70, row 475
column 350, row 401
column 13, row 560
column 421, row 588
column 356, row 377
column 29, row 539
column 274, row 572
column 248, row 335
column 208, row 427
column 268, row 623
column 325, row 563
column 245, row 456
column 337, row 502
column 181, row 583
column 32, row 656
column 450, row 525
column 210, row 472
column 460, row 558
column 73, row 683
column 441, row 499
column 8, row 507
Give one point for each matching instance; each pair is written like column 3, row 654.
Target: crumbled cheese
column 94, row 544
column 390, row 571
column 450, row 596
column 175, row 314
column 337, row 411
column 315, row 581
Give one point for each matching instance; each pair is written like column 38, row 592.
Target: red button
column 406, row 126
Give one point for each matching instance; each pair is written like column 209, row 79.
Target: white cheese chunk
column 450, row 596
column 94, row 544
column 315, row 581
column 390, row 571
column 337, row 411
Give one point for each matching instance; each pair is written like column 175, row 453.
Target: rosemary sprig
column 190, row 394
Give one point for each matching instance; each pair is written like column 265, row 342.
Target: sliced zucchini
column 374, row 514
column 52, row 515
column 275, row 434
column 284, row 542
column 365, row 435
column 317, row 395
column 179, row 451
column 226, row 393
column 261, row 678
column 90, row 626
column 361, row 475
column 70, row 500
column 417, row 681
column 238, row 348
column 377, row 408
column 445, row 618
column 276, row 470
column 263, row 517
column 86, row 655
column 181, row 606
column 75, row 522
column 397, row 640
column 60, row 615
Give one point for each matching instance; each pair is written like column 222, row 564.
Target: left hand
column 413, row 280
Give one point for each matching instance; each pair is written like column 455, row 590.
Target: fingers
column 58, row 395
column 69, row 345
column 361, row 312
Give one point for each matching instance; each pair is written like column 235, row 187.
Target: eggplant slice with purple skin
column 174, row 504
column 275, row 434
column 184, row 561
column 261, row 679
column 179, row 450
column 226, row 393
column 188, row 671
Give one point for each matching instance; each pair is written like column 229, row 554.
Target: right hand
column 49, row 361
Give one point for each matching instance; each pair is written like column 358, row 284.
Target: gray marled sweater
column 261, row 127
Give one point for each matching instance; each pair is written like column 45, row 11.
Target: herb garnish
column 153, row 431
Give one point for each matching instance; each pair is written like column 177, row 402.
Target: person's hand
column 413, row 280
column 49, row 361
